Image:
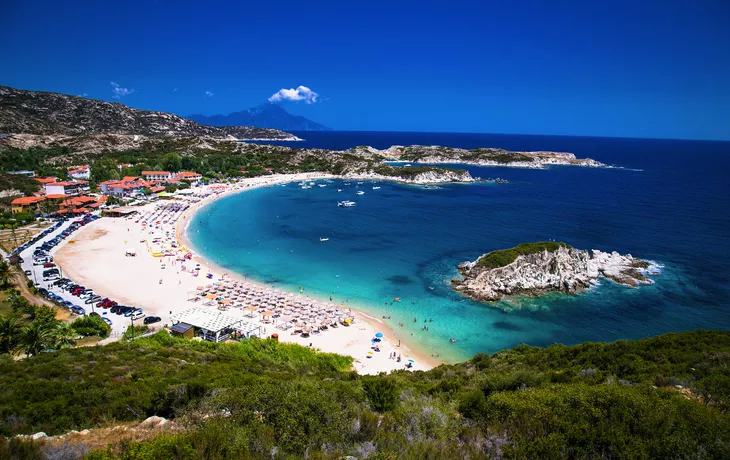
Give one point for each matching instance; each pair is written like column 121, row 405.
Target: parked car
column 137, row 314
column 107, row 320
column 28, row 273
column 78, row 310
column 152, row 319
column 93, row 313
column 92, row 299
column 129, row 311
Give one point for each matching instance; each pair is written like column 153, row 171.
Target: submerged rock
column 552, row 267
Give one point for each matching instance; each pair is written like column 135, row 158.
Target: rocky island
column 548, row 266
column 435, row 154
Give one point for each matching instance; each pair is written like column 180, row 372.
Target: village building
column 26, row 204
column 66, row 187
column 80, row 172
column 156, row 175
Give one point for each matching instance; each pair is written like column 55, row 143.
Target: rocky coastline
column 556, row 268
column 435, row 154
column 434, row 176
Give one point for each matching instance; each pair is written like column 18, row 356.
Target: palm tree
column 35, row 338
column 64, row 336
column 10, row 327
column 5, row 274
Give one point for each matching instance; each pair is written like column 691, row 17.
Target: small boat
column 339, row 189
column 407, row 165
column 321, row 185
column 376, row 188
column 431, row 288
column 323, row 239
column 346, row 204
column 359, row 183
column 361, row 192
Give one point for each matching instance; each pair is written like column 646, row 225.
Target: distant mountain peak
column 266, row 115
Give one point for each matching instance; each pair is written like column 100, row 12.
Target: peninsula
column 548, row 266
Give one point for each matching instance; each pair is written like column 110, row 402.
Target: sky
column 621, row 68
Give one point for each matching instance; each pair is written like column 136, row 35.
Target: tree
column 5, row 274
column 172, row 162
column 64, row 335
column 35, row 338
column 10, row 327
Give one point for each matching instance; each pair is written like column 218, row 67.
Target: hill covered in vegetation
column 664, row 397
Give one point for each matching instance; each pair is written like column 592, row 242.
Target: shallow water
column 672, row 205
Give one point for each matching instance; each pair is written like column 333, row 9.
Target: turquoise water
column 401, row 241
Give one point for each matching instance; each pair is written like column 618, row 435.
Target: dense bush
column 261, row 398
column 503, row 257
column 91, row 325
column 381, row 393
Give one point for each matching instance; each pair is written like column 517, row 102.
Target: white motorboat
column 376, row 188
column 361, row 192
column 323, row 239
column 339, row 189
column 321, row 185
column 346, row 204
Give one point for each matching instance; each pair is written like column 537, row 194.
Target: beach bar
column 214, row 325
column 122, row 211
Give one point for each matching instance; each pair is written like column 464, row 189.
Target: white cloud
column 120, row 92
column 83, row 94
column 209, row 93
column 302, row 93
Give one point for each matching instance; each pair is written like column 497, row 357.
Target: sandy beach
column 96, row 258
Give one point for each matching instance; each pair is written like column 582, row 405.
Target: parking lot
column 47, row 276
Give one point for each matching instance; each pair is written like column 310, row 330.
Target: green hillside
column 664, row 397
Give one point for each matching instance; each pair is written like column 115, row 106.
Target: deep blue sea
column 670, row 203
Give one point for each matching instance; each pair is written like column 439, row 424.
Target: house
column 76, row 202
column 46, row 180
column 127, row 186
column 26, row 204
column 189, row 176
column 23, row 172
column 66, row 187
column 156, row 175
column 80, row 172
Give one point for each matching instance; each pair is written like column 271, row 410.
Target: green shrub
column 380, row 392
column 503, row 257
column 91, row 326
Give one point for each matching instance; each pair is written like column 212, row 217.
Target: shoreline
column 390, row 335
column 96, row 257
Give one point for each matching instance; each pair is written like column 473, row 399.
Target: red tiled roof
column 56, row 196
column 26, row 200
column 188, row 174
column 157, row 189
column 68, row 183
column 46, row 180
column 155, row 173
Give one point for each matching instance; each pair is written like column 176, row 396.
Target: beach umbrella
column 379, row 334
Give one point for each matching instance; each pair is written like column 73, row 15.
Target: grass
column 504, row 257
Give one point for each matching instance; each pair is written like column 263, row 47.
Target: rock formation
column 564, row 269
